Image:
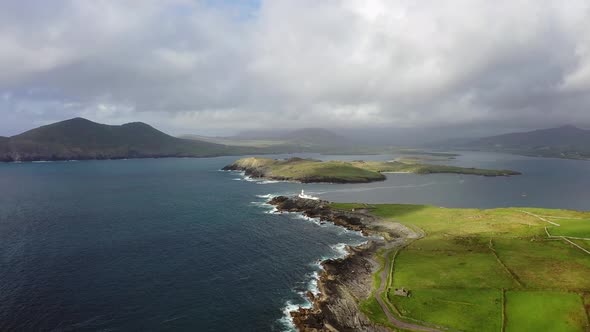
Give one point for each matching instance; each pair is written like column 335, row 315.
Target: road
column 396, row 322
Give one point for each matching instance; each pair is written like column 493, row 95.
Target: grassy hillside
column 490, row 270
column 409, row 166
column 83, row 139
column 307, row 170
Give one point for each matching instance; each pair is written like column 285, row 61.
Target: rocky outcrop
column 345, row 282
column 321, row 210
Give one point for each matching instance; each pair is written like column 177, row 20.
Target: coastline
column 343, row 282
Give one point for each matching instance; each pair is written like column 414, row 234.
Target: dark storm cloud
column 187, row 66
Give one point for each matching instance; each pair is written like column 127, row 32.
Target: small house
column 401, row 292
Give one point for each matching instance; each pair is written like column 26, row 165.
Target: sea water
column 176, row 244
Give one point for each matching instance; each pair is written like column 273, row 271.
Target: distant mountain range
column 561, row 142
column 317, row 140
column 298, row 138
column 317, row 136
column 81, row 139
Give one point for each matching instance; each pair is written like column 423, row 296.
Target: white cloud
column 345, row 63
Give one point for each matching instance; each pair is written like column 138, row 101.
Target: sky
column 219, row 67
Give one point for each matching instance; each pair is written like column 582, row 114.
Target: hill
column 290, row 141
column 80, row 139
column 562, row 142
column 316, row 136
column 299, row 137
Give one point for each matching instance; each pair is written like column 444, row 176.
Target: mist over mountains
column 81, row 139
column 567, row 141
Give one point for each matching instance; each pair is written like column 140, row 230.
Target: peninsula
column 311, row 170
column 428, row 268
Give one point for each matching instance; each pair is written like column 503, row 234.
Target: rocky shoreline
column 344, row 282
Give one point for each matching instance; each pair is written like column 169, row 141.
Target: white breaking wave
column 268, row 181
column 340, row 249
column 313, row 284
column 273, row 211
column 312, row 279
column 287, row 320
column 268, row 196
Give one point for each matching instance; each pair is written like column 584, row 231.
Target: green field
column 450, row 269
column 545, row 311
column 411, row 166
column 571, row 228
column 546, row 264
column 468, row 258
column 463, row 309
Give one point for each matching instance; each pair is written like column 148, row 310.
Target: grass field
column 459, row 270
column 546, row 264
column 571, row 228
column 372, row 309
column 419, row 269
column 545, row 311
column 463, row 309
column 420, row 168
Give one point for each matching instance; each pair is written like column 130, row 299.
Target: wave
column 313, row 284
column 340, row 249
column 268, row 181
column 54, row 161
column 270, row 209
column 274, row 210
column 267, row 196
column 287, row 321
column 311, row 280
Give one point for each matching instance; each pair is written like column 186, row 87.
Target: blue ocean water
column 176, row 244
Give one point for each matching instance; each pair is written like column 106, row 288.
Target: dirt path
column 573, row 244
column 539, row 217
column 382, row 288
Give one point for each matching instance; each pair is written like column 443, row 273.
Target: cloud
column 192, row 66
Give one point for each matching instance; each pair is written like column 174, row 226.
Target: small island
column 334, row 171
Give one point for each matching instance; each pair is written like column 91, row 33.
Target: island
column 333, row 171
column 427, row 268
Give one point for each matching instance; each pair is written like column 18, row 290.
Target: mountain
column 79, row 138
column 288, row 141
column 317, row 136
column 563, row 142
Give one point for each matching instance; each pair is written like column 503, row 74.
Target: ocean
column 177, row 244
